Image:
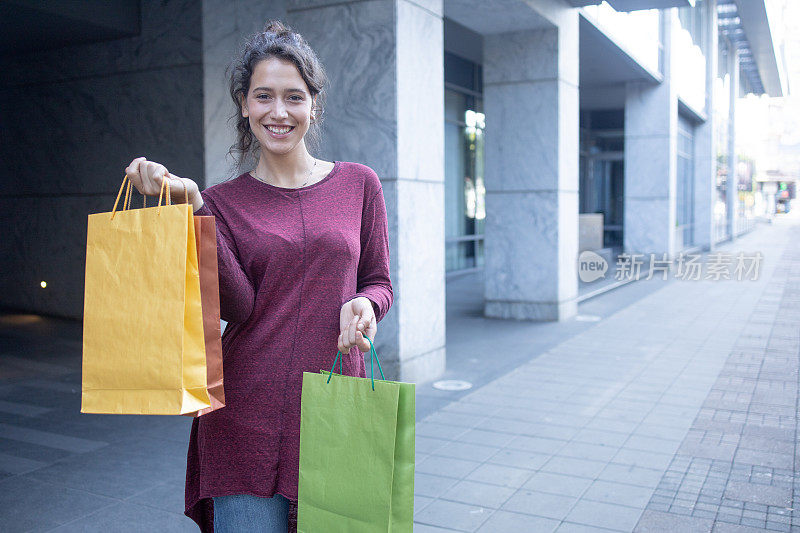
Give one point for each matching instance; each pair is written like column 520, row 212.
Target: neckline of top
column 336, row 165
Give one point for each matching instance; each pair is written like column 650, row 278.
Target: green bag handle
column 373, row 356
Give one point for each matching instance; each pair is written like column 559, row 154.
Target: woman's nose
column 279, row 109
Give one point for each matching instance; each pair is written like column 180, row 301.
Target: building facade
column 508, row 135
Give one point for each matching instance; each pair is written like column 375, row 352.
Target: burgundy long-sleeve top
column 288, row 260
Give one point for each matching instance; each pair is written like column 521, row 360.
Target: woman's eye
column 296, row 98
column 262, row 96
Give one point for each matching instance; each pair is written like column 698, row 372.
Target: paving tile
column 571, row 527
column 618, row 493
column 558, row 484
column 527, row 460
column 633, row 475
column 722, row 452
column 33, row 452
column 606, row 424
column 464, row 420
column 466, row 451
column 642, row 459
column 768, row 432
column 623, row 415
column 678, row 423
column 598, row 436
column 119, row 470
column 540, row 504
column 500, row 475
column 472, row 408
column 551, row 431
column 439, row 431
column 420, row 502
column 753, row 522
column 777, row 526
column 425, row 528
column 594, row 452
column 765, row 458
column 758, row 493
column 659, row 522
column 536, row 444
column 507, row 522
column 23, row 409
column 605, row 515
column 167, row 497
column 486, row 438
column 38, row 505
column 482, row 494
column 50, row 439
column 652, row 444
column 137, row 518
column 11, row 464
column 459, row 516
column 427, row 444
column 446, row 466
column 430, row 485
column 573, row 466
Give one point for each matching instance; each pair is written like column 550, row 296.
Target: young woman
column 303, row 270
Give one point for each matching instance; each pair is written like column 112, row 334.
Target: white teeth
column 279, row 131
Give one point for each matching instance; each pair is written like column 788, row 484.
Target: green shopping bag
column 356, row 453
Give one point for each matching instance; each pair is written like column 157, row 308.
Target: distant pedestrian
column 303, row 269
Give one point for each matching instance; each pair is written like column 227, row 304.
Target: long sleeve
column 373, row 266
column 236, row 292
column 288, row 260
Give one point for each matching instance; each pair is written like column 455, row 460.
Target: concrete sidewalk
column 676, row 411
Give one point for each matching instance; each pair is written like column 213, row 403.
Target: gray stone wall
column 651, row 125
column 226, row 26
column 386, row 110
column 532, row 103
column 72, row 118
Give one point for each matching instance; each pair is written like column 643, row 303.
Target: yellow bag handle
column 126, row 202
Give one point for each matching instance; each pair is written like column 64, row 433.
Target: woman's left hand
column 356, row 319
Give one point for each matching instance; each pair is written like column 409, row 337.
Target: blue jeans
column 243, row 513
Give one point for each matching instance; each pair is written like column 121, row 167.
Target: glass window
column 684, row 216
column 602, row 172
column 465, row 209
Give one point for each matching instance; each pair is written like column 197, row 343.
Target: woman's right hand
column 147, row 177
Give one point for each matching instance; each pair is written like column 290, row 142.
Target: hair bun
column 278, row 28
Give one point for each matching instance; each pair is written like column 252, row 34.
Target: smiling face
column 278, row 106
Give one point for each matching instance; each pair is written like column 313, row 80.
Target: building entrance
column 602, row 173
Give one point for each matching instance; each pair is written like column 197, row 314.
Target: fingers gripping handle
column 373, row 357
column 126, row 201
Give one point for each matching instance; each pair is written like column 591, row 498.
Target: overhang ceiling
column 604, row 62
column 635, row 5
column 32, row 25
column 497, row 16
column 759, row 58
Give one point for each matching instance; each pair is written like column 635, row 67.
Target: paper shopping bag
column 206, row 238
column 356, row 455
column 143, row 343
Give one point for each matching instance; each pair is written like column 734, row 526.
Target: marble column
column 705, row 157
column 651, row 123
column 226, row 26
column 386, row 109
column 531, row 105
column 732, row 186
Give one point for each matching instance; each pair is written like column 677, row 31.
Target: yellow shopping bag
column 143, row 343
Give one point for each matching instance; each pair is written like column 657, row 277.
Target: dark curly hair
column 277, row 40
